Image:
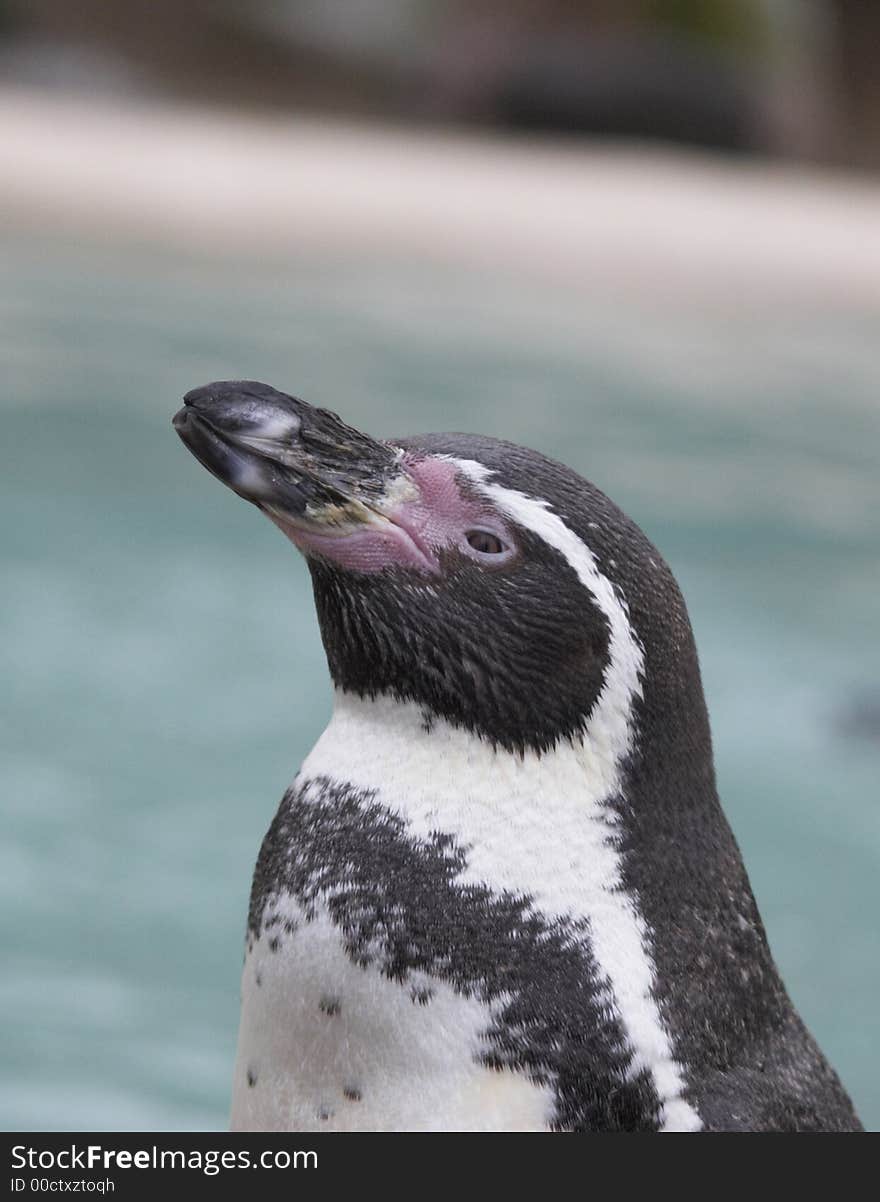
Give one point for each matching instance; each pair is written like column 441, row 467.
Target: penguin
column 501, row 893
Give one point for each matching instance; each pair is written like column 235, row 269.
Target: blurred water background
column 162, row 676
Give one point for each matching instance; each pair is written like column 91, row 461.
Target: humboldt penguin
column 500, row 894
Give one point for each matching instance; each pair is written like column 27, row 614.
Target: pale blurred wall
column 796, row 78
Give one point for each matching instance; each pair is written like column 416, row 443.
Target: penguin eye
column 484, row 542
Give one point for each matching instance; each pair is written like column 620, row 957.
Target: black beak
column 283, row 455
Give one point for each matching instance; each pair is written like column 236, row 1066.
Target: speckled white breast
column 326, row 1045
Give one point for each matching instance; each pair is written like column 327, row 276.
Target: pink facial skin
column 413, row 532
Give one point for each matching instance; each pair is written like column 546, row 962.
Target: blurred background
column 641, row 236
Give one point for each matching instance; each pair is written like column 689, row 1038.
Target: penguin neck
column 531, row 822
column 542, row 826
column 552, row 823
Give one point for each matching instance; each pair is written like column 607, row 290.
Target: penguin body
column 501, row 893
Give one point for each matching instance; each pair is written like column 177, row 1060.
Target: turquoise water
column 161, row 670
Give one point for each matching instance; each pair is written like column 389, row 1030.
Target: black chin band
column 485, row 651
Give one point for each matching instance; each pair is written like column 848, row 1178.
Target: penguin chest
column 328, row 1045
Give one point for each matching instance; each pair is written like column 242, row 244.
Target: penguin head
column 487, row 584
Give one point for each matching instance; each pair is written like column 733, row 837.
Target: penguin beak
column 303, row 466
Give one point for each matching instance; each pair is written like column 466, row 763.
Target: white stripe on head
column 611, row 719
column 536, row 824
column 621, row 939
